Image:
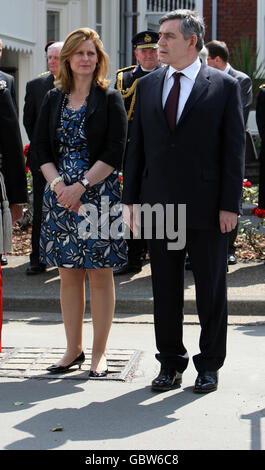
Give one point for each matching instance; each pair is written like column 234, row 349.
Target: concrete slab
column 127, row 415
column 246, row 290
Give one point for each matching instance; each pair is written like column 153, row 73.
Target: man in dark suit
column 145, row 50
column 189, row 151
column 218, row 58
column 35, row 91
column 8, row 79
column 260, row 118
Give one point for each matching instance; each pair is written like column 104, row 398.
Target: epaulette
column 131, row 91
column 125, row 68
column 43, row 73
column 262, row 86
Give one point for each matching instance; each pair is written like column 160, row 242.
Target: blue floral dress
column 86, row 241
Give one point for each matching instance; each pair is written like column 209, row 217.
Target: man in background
column 218, row 58
column 36, row 89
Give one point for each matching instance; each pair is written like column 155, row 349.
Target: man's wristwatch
column 84, row 181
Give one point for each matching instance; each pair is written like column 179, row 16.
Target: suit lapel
column 50, row 82
column 200, row 86
column 159, row 93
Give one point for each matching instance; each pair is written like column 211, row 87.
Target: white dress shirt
column 228, row 67
column 186, row 84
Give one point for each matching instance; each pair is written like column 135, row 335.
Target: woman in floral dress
column 81, row 140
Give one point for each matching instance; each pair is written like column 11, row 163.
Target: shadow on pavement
column 116, row 418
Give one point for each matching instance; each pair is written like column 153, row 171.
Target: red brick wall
column 207, row 14
column 235, row 18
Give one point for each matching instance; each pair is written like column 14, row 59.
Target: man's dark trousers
column 210, row 281
column 39, row 183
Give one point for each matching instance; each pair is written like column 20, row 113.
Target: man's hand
column 16, row 212
column 131, row 217
column 228, row 221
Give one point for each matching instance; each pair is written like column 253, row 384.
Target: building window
column 169, row 5
column 99, row 17
column 156, row 8
column 53, row 21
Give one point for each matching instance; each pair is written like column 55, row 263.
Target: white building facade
column 27, row 25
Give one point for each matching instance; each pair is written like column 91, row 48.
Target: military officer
column 146, row 53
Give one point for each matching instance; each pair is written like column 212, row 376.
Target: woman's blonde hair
column 71, row 43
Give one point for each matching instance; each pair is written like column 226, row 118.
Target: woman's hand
column 77, row 207
column 69, row 196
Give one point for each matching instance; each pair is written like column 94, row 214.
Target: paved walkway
column 39, row 294
column 96, row 415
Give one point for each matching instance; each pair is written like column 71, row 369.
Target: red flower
column 247, row 184
column 26, row 150
column 258, row 212
column 120, row 177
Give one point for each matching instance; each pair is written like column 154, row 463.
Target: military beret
column 145, row 39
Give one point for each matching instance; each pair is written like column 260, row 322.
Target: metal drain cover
column 32, row 363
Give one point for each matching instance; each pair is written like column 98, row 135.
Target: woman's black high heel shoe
column 94, row 373
column 60, row 369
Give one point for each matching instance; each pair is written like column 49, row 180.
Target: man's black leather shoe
column 231, row 259
column 128, row 269
column 4, row 261
column 166, row 380
column 206, row 382
column 31, row 270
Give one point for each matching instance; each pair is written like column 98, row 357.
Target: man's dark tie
column 171, row 106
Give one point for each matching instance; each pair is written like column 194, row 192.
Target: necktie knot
column 177, row 76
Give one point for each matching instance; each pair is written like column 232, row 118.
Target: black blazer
column 105, row 126
column 246, row 90
column 11, row 148
column 35, row 91
column 200, row 164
